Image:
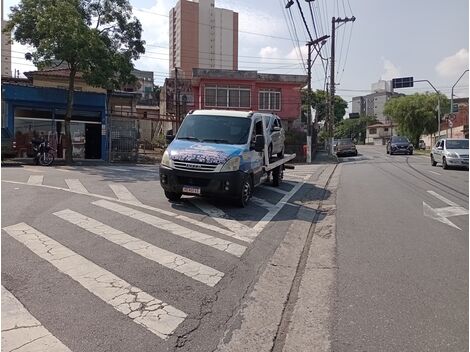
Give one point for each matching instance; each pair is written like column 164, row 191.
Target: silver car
column 450, row 152
column 276, row 135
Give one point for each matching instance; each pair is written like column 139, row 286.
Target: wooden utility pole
column 331, row 117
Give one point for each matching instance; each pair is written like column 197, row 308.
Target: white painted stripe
column 219, row 216
column 445, row 200
column 163, row 257
column 276, row 208
column 262, row 203
column 35, row 180
column 23, row 332
column 75, row 185
column 158, row 317
column 274, row 189
column 173, row 228
column 434, row 172
column 123, row 193
column 147, row 207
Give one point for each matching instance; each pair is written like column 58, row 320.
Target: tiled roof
column 52, row 72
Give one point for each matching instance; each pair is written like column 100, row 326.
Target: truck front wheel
column 245, row 192
column 173, row 196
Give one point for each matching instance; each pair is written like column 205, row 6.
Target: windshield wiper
column 215, row 140
column 189, row 138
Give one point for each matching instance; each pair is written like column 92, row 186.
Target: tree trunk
column 68, row 117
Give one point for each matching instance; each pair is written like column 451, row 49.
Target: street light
column 289, row 4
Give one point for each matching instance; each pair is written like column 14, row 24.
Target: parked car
column 8, row 144
column 346, row 147
column 422, row 145
column 276, row 135
column 399, row 145
column 450, row 152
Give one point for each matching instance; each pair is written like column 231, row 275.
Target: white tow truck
column 220, row 153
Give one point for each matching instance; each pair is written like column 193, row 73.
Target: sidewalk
column 289, row 308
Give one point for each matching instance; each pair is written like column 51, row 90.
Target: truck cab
column 216, row 153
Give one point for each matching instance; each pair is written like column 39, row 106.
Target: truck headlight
column 453, row 155
column 166, row 159
column 231, row 165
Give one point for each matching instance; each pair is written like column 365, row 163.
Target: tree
column 96, row 38
column 319, row 101
column 415, row 114
column 354, row 128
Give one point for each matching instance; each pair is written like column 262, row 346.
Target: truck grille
column 182, row 165
column 191, row 181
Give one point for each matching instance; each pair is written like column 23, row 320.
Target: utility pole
column 177, row 116
column 322, row 41
column 331, row 117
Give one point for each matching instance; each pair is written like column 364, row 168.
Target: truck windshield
column 457, row 144
column 215, row 129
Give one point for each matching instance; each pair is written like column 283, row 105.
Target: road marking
column 143, row 206
column 222, row 218
column 262, row 203
column 173, row 228
column 276, row 208
column 441, row 214
column 75, row 185
column 158, row 317
column 23, row 332
column 434, row 172
column 123, row 193
column 188, row 267
column 35, row 180
column 275, row 189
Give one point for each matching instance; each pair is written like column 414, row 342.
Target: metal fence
column 123, row 140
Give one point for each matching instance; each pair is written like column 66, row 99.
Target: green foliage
column 319, row 101
column 354, row 128
column 98, row 38
column 416, row 114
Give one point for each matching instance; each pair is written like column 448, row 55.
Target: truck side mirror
column 276, row 129
column 259, row 143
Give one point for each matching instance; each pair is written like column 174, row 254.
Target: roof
column 52, row 72
column 380, row 125
column 247, row 75
column 231, row 113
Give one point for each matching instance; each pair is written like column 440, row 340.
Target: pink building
column 249, row 90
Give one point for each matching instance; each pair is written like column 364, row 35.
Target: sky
column 426, row 39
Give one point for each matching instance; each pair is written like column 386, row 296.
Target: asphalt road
column 96, row 259
column 402, row 279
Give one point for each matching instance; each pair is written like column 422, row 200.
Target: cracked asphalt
column 112, row 274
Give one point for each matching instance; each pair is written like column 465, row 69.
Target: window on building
column 385, row 129
column 270, row 99
column 227, row 96
column 372, row 130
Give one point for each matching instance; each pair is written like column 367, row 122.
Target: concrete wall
column 6, row 53
column 58, row 82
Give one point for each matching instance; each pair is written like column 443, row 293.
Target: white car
column 450, row 152
column 276, row 135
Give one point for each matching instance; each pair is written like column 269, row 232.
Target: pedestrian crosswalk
column 158, row 313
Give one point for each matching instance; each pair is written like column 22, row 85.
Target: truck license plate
column 192, row 189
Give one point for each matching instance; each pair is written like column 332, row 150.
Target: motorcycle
column 43, row 153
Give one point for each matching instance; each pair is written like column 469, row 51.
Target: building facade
column 373, row 104
column 249, row 90
column 202, row 36
column 379, row 134
column 6, row 52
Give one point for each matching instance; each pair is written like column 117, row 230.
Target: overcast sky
column 427, row 39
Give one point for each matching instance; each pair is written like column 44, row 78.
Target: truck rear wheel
column 245, row 192
column 173, row 196
column 278, row 174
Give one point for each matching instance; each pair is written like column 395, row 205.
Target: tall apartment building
column 373, row 104
column 202, row 36
column 6, row 52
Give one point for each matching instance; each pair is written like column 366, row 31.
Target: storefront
column 35, row 112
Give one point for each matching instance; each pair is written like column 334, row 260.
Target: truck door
column 257, row 157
